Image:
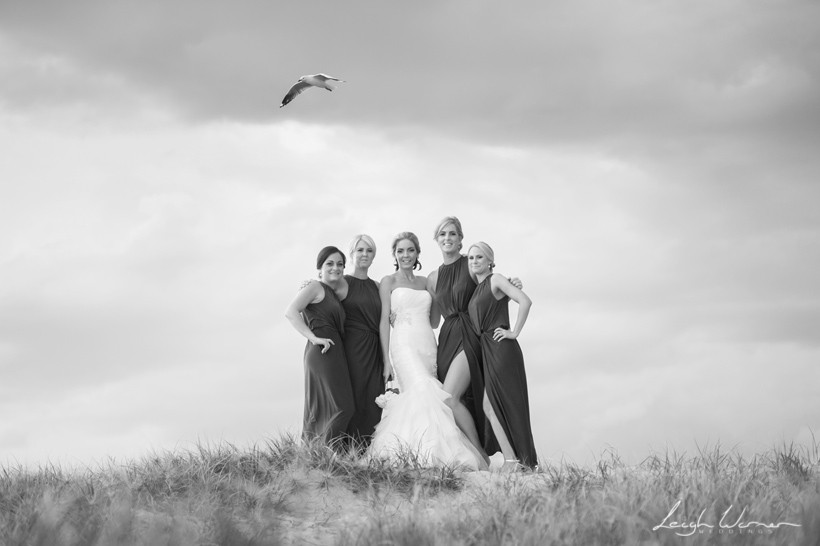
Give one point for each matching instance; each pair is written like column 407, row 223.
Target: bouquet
column 391, row 390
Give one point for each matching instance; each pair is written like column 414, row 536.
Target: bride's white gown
column 417, row 419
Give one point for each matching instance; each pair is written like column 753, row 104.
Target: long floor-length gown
column 417, row 420
column 504, row 376
column 328, row 395
column 364, row 355
column 454, row 288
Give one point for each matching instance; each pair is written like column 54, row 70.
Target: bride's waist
column 411, row 319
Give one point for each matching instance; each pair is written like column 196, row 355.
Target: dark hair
column 325, row 253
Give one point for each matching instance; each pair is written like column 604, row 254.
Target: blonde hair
column 368, row 240
column 487, row 250
column 448, row 220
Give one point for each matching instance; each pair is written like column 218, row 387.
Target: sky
column 649, row 169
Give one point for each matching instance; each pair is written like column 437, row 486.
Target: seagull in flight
column 313, row 80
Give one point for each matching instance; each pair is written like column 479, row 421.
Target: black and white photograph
column 418, row 273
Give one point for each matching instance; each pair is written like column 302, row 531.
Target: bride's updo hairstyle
column 325, row 253
column 449, row 220
column 410, row 236
column 368, row 240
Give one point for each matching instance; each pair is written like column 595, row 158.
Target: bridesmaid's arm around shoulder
column 435, row 310
column 502, row 287
column 312, row 292
column 385, row 288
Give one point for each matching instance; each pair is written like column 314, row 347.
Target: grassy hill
column 285, row 492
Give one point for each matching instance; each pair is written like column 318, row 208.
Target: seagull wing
column 297, row 88
column 325, row 77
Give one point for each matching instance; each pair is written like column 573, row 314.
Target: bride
column 418, row 421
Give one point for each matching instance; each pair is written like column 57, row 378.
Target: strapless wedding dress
column 417, row 421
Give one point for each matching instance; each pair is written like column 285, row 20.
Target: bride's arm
column 385, row 287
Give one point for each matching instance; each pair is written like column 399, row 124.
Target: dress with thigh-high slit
column 504, row 376
column 454, row 287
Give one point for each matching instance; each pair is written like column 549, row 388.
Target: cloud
column 647, row 170
column 697, row 396
column 535, row 72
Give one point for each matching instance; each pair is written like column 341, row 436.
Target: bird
column 312, row 80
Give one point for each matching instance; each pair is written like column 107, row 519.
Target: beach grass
column 285, row 491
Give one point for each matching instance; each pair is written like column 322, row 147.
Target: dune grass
column 286, row 492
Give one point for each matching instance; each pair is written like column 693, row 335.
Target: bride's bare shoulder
column 420, row 281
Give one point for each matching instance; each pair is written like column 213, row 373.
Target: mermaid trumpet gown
column 417, row 421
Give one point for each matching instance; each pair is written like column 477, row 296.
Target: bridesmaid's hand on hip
column 501, row 333
column 324, row 342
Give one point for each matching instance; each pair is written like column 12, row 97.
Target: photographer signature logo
column 684, row 528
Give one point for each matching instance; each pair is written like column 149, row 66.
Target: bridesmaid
column 362, row 305
column 505, row 399
column 317, row 314
column 459, row 352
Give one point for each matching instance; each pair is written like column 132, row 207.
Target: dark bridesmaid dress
column 364, row 355
column 328, row 396
column 504, row 375
column 454, row 287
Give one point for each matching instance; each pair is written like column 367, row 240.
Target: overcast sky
column 649, row 169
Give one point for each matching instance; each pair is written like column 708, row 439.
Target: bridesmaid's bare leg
column 456, row 384
column 500, row 435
